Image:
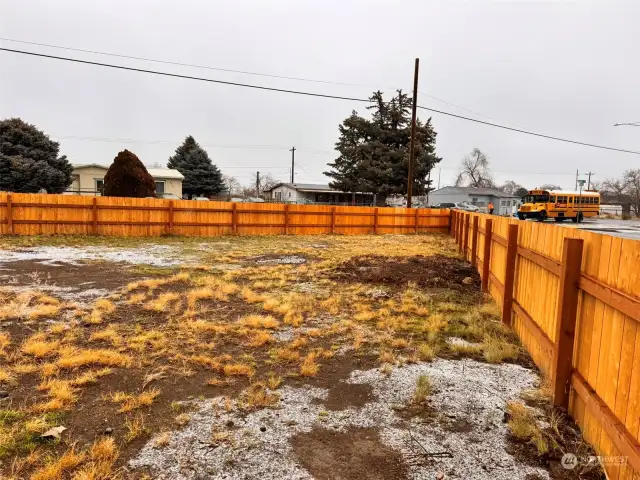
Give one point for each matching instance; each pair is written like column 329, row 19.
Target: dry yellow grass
column 5, row 341
column 238, row 369
column 162, row 440
column 136, row 298
column 135, row 427
column 92, row 376
column 129, row 402
column 105, row 305
column 182, row 419
column 523, row 425
column 287, row 355
column 309, row 367
column 6, row 376
column 44, row 310
column 259, row 321
column 259, row 338
column 273, row 380
column 109, row 334
column 82, row 357
column 256, row 396
column 55, row 469
column 37, row 347
column 162, row 302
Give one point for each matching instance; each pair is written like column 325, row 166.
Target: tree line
column 30, row 162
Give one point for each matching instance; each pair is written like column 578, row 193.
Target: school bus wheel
column 542, row 216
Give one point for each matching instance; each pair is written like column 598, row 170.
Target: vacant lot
column 326, row 357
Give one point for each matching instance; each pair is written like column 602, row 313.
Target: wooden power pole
column 293, row 162
column 414, row 106
column 257, row 184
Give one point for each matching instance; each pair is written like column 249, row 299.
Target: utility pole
column 257, row 184
column 576, row 179
column 293, row 163
column 439, row 172
column 414, row 106
column 589, row 182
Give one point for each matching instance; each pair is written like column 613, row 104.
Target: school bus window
column 570, row 199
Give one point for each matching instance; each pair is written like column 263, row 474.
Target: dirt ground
column 272, row 357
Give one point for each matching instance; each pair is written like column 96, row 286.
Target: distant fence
column 41, row 214
column 573, row 297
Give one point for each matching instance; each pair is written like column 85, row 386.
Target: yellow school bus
column 559, row 205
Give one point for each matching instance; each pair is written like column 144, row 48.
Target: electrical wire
column 318, row 95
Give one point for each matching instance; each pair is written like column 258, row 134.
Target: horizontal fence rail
column 573, row 298
column 36, row 214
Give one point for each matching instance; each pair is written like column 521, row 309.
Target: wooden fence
column 37, row 214
column 573, row 297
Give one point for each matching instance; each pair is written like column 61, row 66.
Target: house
column 502, row 202
column 88, row 179
column 316, row 193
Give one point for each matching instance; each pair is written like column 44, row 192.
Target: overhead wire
column 317, row 95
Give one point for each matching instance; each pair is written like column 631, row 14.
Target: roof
column 571, row 192
column 492, row 192
column 168, row 173
column 307, row 187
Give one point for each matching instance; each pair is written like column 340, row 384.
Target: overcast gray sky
column 563, row 68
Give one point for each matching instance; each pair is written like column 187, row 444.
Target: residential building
column 503, row 203
column 89, row 180
column 316, row 193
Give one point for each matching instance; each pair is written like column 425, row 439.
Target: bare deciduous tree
column 231, row 184
column 511, row 187
column 549, row 187
column 624, row 191
column 474, row 171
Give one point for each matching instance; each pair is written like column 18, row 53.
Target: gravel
column 256, row 445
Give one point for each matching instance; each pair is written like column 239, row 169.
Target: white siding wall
column 287, row 194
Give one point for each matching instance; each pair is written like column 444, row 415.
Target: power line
column 526, row 132
column 187, row 77
column 318, row 95
column 228, row 70
column 167, row 62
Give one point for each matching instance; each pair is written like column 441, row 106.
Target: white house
column 88, row 179
column 316, row 193
column 502, row 202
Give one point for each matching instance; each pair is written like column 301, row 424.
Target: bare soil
column 357, row 454
column 435, row 271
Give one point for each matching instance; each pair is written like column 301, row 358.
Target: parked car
column 200, row 199
column 236, row 199
column 305, row 201
column 445, row 205
column 470, row 207
column 253, row 200
column 168, row 196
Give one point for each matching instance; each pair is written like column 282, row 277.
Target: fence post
column 171, row 217
column 416, row 221
column 568, row 292
column 465, row 243
column 474, row 241
column 509, row 274
column 375, row 220
column 333, row 219
column 486, row 257
column 9, row 214
column 94, row 211
column 450, row 225
column 234, row 218
column 286, row 219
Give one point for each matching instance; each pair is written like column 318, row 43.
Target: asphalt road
column 617, row 228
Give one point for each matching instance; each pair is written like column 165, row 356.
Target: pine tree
column 29, row 160
column 201, row 176
column 374, row 154
column 128, row 177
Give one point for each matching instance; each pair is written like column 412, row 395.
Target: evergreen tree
column 201, row 176
column 374, row 154
column 29, row 160
column 128, row 177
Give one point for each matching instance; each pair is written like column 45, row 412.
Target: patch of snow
column 465, row 389
column 284, row 260
column 461, row 342
column 155, row 255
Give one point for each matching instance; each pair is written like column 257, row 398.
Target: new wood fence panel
column 34, row 214
column 606, row 350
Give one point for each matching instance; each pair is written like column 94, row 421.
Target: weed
column 497, row 350
column 426, row 352
column 135, row 427
column 273, row 380
column 109, row 334
column 162, row 440
column 257, row 339
column 238, row 369
column 259, row 321
column 161, row 303
column 256, row 396
column 309, row 367
column 79, row 358
column 39, row 348
column 129, row 402
column 523, row 426
column 44, row 310
column 423, row 390
column 182, row 419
